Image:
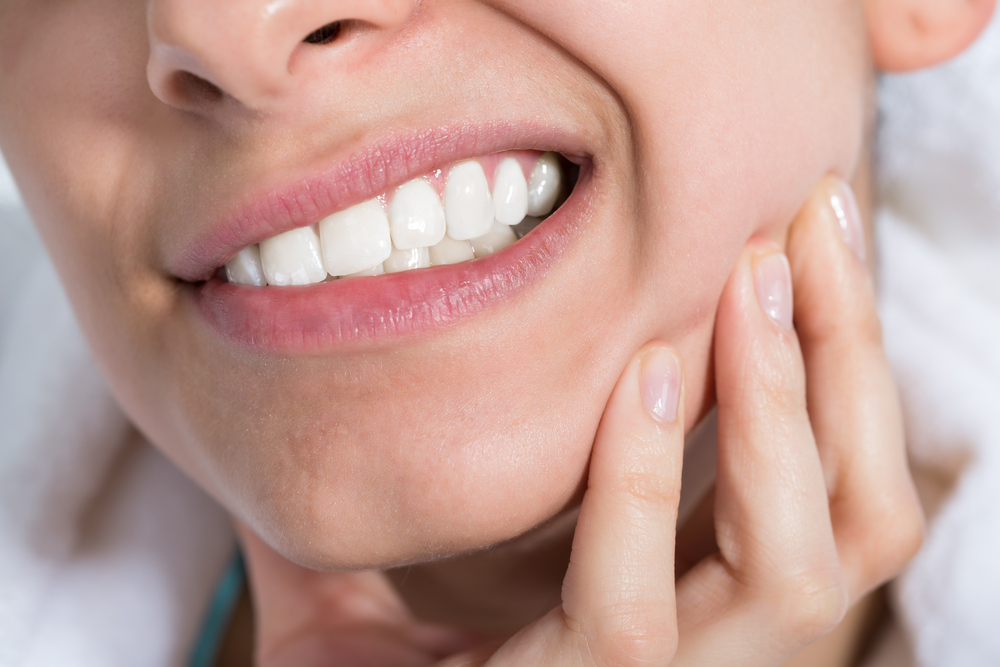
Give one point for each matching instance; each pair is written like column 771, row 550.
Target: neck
column 495, row 591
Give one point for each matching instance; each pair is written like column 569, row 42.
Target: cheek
column 76, row 139
column 762, row 102
column 733, row 146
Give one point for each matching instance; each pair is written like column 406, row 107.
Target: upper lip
column 378, row 167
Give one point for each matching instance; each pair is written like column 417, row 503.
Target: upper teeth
column 415, row 216
column 543, row 188
column 510, row 193
column 355, row 239
column 418, row 231
column 293, row 258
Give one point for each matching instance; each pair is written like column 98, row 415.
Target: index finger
column 619, row 590
column 618, row 593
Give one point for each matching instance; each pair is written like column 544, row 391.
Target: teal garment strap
column 220, row 611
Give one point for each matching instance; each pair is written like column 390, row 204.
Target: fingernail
column 772, row 281
column 845, row 209
column 660, row 384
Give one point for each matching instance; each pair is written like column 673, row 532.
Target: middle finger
column 777, row 560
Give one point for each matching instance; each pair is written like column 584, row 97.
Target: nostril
column 195, row 89
column 326, row 34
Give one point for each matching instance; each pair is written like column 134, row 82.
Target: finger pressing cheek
column 777, row 558
column 619, row 590
column 853, row 403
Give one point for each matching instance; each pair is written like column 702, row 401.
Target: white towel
column 108, row 554
column 939, row 238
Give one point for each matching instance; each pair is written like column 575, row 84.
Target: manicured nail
column 848, row 215
column 772, row 281
column 660, row 384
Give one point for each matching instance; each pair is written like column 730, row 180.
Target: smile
column 466, row 211
column 427, row 235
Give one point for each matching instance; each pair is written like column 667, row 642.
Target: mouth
column 465, row 211
column 436, row 248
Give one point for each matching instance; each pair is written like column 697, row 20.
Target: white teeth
column 544, row 184
column 468, row 206
column 450, row 251
column 245, row 268
column 293, row 258
column 404, row 260
column 416, row 218
column 499, row 237
column 355, row 239
column 376, row 271
column 510, row 193
column 419, row 230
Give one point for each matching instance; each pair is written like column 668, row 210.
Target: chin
column 421, row 501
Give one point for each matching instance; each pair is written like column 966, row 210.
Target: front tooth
column 293, row 258
column 416, row 219
column 510, row 193
column 376, row 271
column 404, row 260
column 544, row 184
column 499, row 237
column 450, row 251
column 245, row 268
column 355, row 239
column 468, row 206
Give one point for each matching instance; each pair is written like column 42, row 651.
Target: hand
column 813, row 506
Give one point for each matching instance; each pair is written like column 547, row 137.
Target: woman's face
column 380, row 420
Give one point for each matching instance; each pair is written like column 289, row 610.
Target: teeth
column 510, row 193
column 419, row 230
column 404, row 260
column 544, row 184
column 468, row 206
column 416, row 218
column 293, row 258
column 499, row 237
column 245, row 268
column 355, row 239
column 377, row 271
column 450, row 251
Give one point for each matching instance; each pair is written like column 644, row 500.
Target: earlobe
column 911, row 34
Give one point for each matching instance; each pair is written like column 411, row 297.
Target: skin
column 709, row 136
column 139, row 177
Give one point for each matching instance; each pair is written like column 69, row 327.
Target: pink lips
column 378, row 308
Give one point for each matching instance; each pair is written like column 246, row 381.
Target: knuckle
column 869, row 329
column 857, row 324
column 815, row 603
column 647, row 490
column 910, row 533
column 894, row 537
column 774, row 390
column 638, row 637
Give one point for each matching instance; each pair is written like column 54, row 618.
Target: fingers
column 851, row 393
column 619, row 589
column 775, row 584
column 618, row 593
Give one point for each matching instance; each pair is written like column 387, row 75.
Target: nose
column 204, row 49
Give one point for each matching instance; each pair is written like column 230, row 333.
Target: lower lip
column 385, row 308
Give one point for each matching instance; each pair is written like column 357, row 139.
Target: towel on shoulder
column 108, row 554
column 939, row 245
